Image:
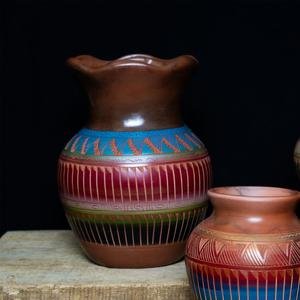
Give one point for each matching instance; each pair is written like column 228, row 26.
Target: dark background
column 243, row 102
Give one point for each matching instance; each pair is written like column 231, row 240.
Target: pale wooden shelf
column 50, row 265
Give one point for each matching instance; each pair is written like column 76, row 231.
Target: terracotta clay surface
column 249, row 248
column 134, row 181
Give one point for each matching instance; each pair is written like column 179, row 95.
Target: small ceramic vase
column 134, row 181
column 297, row 157
column 249, row 248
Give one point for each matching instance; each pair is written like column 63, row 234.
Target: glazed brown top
column 135, row 92
column 253, row 210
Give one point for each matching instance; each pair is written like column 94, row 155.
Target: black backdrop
column 243, row 102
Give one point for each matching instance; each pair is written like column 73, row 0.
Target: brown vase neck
column 254, row 210
column 135, row 92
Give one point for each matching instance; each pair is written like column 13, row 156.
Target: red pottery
column 134, row 180
column 249, row 248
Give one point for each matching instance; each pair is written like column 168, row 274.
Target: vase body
column 297, row 157
column 134, row 181
column 249, row 248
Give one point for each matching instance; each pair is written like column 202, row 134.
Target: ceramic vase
column 249, row 248
column 297, row 157
column 134, row 180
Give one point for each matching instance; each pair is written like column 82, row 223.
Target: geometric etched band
column 244, row 254
column 148, row 228
column 138, row 187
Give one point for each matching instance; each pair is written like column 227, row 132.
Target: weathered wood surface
column 50, row 265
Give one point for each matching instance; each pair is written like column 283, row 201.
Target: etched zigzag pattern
column 244, row 253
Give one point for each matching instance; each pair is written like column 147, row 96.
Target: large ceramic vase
column 134, row 181
column 297, row 157
column 249, row 248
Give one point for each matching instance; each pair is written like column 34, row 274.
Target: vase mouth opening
column 88, row 64
column 254, row 193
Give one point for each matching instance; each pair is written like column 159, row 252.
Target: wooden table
column 50, row 265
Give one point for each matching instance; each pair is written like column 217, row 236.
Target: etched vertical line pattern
column 181, row 182
column 194, row 180
column 104, row 232
column 63, row 179
column 175, row 229
column 97, row 230
column 291, row 285
column 266, row 286
column 90, row 182
column 120, row 184
column 185, row 166
column 221, row 284
column 208, row 285
column 202, row 282
column 284, row 282
column 167, row 182
column 112, row 235
column 147, row 230
column 151, row 183
column 82, row 169
column 86, row 231
column 181, row 227
column 169, row 227
column 77, row 222
column 195, row 271
column 203, row 181
column 77, row 180
column 200, row 180
column 136, row 185
column 247, row 288
column 104, row 184
column 132, row 232
column 97, row 183
column 125, row 234
column 144, row 184
column 214, row 284
column 186, row 226
column 192, row 225
column 112, row 184
column 276, row 284
column 174, row 181
column 298, row 285
column 92, row 231
column 257, row 286
column 230, row 288
column 161, row 228
column 118, row 235
column 159, row 183
column 140, row 233
column 72, row 180
column 153, row 230
column 238, row 284
column 66, row 178
column 72, row 225
column 128, row 184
